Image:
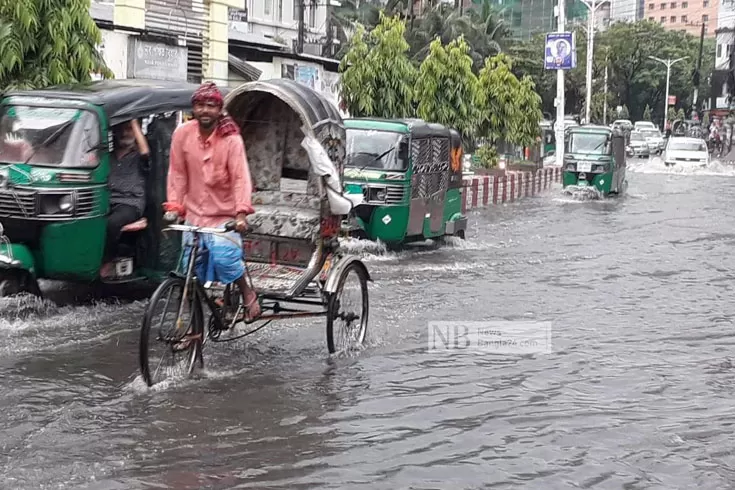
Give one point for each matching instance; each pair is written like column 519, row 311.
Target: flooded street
column 637, row 392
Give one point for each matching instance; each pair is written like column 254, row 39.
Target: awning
column 243, row 68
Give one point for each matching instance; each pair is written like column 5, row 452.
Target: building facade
column 626, row 10
column 527, row 18
column 686, row 15
column 722, row 80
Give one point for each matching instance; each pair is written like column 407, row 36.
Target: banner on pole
column 560, row 52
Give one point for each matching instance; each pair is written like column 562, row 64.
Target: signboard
column 672, row 99
column 238, row 19
column 559, row 51
column 156, row 61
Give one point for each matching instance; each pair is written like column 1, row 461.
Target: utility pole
column 604, row 107
column 302, row 30
column 560, row 93
column 592, row 6
column 695, row 76
column 330, row 36
column 668, row 62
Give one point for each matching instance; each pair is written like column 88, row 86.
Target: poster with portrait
column 560, row 52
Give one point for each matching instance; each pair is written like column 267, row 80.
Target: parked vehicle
column 595, row 157
column 684, row 152
column 644, row 125
column 654, row 139
column 54, row 204
column 639, row 145
column 409, row 173
column 622, row 123
column 295, row 142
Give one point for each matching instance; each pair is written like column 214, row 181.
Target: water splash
column 715, row 167
column 581, row 193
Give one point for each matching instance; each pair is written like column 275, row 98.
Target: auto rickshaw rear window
column 49, row 136
column 383, row 150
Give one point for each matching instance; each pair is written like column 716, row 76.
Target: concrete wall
column 485, row 190
column 114, row 50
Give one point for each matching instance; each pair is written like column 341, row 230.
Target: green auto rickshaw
column 549, row 137
column 54, row 201
column 409, row 173
column 595, row 158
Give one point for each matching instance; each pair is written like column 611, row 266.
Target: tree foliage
column 634, row 79
column 447, row 92
column 647, row 113
column 512, row 107
column 377, row 76
column 48, row 42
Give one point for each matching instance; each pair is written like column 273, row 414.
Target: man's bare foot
column 252, row 307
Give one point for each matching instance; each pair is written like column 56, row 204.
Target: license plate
column 584, row 166
column 124, row 267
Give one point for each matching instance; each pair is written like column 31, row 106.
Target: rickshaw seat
column 285, row 221
column 139, row 225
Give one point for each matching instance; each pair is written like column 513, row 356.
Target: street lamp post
column 669, row 63
column 592, row 5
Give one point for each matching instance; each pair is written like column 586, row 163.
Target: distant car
column 639, row 145
column 686, row 152
column 645, row 125
column 655, row 140
column 625, row 123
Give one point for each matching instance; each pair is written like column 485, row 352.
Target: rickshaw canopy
column 291, row 131
column 121, row 100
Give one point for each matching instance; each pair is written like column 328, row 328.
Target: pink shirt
column 210, row 178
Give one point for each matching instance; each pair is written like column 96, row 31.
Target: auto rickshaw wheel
column 460, row 235
column 9, row 287
column 341, row 312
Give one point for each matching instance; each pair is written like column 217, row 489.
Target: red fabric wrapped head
column 208, row 92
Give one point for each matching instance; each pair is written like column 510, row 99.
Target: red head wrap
column 209, row 92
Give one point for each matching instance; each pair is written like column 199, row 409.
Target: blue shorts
column 221, row 257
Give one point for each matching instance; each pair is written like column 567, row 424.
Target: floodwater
column 637, row 391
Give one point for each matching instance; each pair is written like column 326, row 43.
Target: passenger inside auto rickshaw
column 128, row 170
column 12, row 148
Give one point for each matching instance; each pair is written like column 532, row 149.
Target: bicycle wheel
column 347, row 310
column 170, row 344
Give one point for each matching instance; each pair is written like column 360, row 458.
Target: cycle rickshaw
column 295, row 144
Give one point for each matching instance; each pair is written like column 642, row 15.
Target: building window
column 663, row 6
column 279, row 11
column 684, row 5
column 296, row 4
column 312, row 13
column 652, row 19
column 673, row 19
column 673, row 5
column 684, row 18
column 705, row 18
column 651, row 6
column 267, row 7
column 663, row 19
column 705, row 3
column 516, row 19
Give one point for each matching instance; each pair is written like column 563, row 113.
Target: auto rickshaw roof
column 124, row 99
column 418, row 128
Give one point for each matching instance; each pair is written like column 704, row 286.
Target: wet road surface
column 637, row 392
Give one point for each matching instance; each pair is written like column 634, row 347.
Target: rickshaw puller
column 209, row 183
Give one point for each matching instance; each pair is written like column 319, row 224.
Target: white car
column 686, row 152
column 655, row 140
column 645, row 125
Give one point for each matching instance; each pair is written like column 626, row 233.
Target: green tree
column 48, row 42
column 447, row 92
column 647, row 113
column 680, row 114
column 377, row 76
column 512, row 109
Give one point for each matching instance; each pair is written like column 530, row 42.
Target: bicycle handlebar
column 229, row 226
